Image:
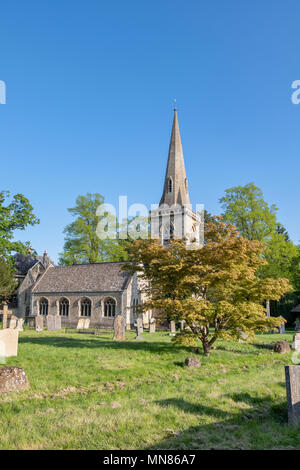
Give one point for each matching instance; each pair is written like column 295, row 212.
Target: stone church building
column 100, row 291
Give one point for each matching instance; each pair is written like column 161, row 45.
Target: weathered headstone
column 242, row 336
column 13, row 379
column 282, row 329
column 152, row 326
column 80, row 324
column 20, row 322
column 292, row 382
column 8, row 343
column 39, row 323
column 53, row 322
column 13, row 323
column 172, row 327
column 119, row 328
column 181, row 325
column 139, row 328
column 296, row 342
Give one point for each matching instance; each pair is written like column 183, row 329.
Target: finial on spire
column 175, row 105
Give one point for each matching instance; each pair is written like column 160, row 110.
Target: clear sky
column 90, row 88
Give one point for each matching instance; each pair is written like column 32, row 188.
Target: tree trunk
column 206, row 347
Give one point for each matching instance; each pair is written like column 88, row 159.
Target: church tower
column 174, row 218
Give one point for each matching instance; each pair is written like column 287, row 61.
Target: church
column 100, row 291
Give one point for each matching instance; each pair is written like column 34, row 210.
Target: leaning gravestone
column 152, row 326
column 296, row 342
column 8, row 343
column 139, row 328
column 39, row 323
column 292, row 381
column 13, row 379
column 53, row 322
column 119, row 328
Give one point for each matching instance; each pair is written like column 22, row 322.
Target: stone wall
column 97, row 318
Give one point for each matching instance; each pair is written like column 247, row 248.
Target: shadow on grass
column 96, row 342
column 233, row 430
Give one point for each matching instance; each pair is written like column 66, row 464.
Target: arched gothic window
column 43, row 306
column 109, row 308
column 134, row 306
column 86, row 307
column 64, row 307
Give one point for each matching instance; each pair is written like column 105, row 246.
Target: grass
column 89, row 392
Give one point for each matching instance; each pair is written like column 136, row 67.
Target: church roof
column 94, row 277
column 175, row 178
column 23, row 263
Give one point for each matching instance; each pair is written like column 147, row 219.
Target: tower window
column 170, row 185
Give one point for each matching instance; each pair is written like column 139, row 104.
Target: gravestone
column 282, row 329
column 172, row 327
column 80, row 324
column 119, row 328
column 39, row 323
column 181, row 325
column 53, row 322
column 20, row 322
column 139, row 328
column 13, row 323
column 8, row 343
column 242, row 336
column 13, row 379
column 296, row 342
column 152, row 326
column 292, row 382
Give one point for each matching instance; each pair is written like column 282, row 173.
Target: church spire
column 175, row 187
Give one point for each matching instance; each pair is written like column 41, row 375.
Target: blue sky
column 90, row 88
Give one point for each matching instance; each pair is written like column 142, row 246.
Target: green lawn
column 89, row 392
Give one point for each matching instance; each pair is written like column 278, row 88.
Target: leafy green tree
column 215, row 286
column 7, row 280
column 245, row 207
column 82, row 243
column 16, row 213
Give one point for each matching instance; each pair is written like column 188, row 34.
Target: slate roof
column 95, row 277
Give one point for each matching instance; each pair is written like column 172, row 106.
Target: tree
column 7, row 280
column 16, row 213
column 82, row 243
column 245, row 207
column 216, row 286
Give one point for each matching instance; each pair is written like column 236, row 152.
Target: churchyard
column 91, row 392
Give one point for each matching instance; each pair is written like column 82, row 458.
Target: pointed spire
column 175, row 187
